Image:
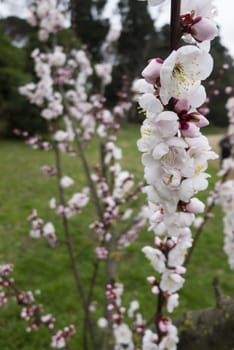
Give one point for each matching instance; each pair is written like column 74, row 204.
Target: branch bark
column 208, row 329
column 175, row 24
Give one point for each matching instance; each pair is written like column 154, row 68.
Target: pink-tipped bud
column 226, row 66
column 152, row 71
column 182, row 106
column 170, row 243
column 204, row 110
column 189, row 129
column 195, row 206
column 163, row 325
column 122, row 310
column 155, row 290
column 204, row 29
column 216, row 92
column 228, row 90
column 203, row 121
column 151, row 280
column 180, row 270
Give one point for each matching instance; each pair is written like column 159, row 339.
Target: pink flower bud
column 204, row 29
column 204, row 110
column 202, row 121
column 226, row 66
column 163, row 325
column 155, row 290
column 170, row 243
column 151, row 279
column 122, row 310
column 157, row 242
column 195, row 206
column 180, row 270
column 182, row 106
column 216, row 92
column 152, row 71
column 228, row 90
column 189, row 129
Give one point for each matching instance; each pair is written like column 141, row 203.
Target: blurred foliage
column 90, row 27
column 15, row 111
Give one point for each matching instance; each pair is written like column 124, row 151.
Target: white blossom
column 66, row 182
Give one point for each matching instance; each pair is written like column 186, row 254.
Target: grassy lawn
column 39, row 267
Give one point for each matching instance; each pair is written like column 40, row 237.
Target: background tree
column 14, row 111
column 222, row 79
column 90, row 27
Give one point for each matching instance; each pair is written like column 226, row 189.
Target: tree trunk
column 209, row 329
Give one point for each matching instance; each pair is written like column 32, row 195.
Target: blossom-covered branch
column 175, row 156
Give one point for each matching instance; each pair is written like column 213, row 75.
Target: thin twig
column 206, row 217
column 102, row 158
column 218, row 293
column 72, row 256
column 90, row 295
column 84, row 162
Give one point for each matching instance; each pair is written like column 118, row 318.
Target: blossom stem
column 159, row 312
column 102, row 156
column 174, row 40
column 175, row 24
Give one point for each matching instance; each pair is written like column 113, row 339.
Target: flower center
column 198, row 169
column 146, row 133
column 179, row 73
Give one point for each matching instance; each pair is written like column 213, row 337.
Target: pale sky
column 225, row 17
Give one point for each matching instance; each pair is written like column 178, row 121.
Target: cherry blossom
column 182, row 72
column 59, row 340
column 197, row 19
column 123, row 337
column 66, row 181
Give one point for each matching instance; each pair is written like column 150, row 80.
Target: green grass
column 37, row 266
column 214, row 130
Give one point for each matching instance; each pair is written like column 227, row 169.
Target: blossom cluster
column 175, row 156
column 75, row 113
column 116, row 197
column 59, row 340
column 225, row 189
column 196, row 20
column 62, row 94
column 47, row 17
column 39, row 229
column 30, row 312
column 230, row 131
column 226, row 200
column 123, row 335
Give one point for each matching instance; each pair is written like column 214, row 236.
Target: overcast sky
column 225, row 17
